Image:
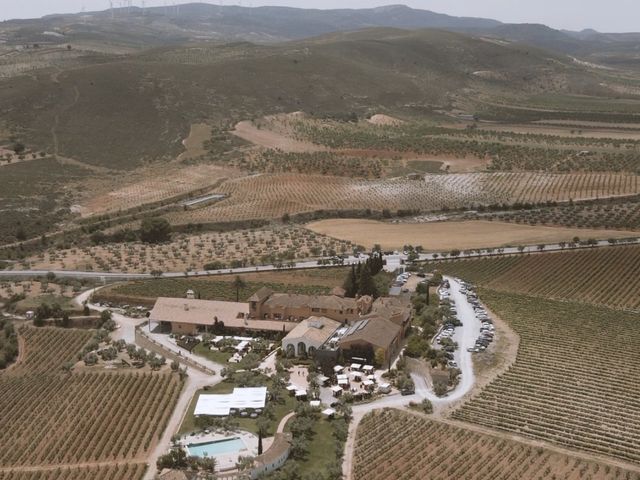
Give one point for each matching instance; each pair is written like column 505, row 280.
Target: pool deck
column 225, row 461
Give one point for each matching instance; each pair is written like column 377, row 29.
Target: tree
column 155, row 230
column 238, row 283
column 351, row 283
column 366, row 285
column 176, row 458
column 105, row 316
column 51, row 276
column 380, row 357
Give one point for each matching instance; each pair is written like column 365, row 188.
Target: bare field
column 272, row 195
column 148, row 185
column 194, row 143
column 270, row 138
column 445, row 236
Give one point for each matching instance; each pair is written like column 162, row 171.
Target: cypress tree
column 351, row 283
column 366, row 285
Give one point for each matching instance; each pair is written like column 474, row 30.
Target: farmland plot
column 272, row 195
column 53, row 418
column 422, row 449
column 149, row 185
column 575, row 379
column 127, row 471
column 193, row 252
column 606, row 276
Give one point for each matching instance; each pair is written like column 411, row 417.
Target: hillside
column 92, row 106
column 136, row 27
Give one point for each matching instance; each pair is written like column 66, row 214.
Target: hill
column 123, row 29
column 121, row 112
column 136, row 27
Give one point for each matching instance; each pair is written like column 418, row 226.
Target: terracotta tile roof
column 261, row 294
column 289, row 300
column 204, row 312
column 376, row 330
column 316, row 329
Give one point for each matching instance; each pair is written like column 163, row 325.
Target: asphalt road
column 393, row 262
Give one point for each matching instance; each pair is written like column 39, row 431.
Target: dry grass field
column 272, row 195
column 193, row 252
column 416, row 448
column 603, row 276
column 445, row 236
column 94, row 421
column 33, row 289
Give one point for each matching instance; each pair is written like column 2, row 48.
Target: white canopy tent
column 241, row 398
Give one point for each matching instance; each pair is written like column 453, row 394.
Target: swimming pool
column 218, row 447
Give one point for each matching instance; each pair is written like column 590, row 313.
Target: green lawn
column 281, row 409
column 322, row 449
column 32, row 303
column 214, row 355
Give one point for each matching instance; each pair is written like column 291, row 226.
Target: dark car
column 408, row 391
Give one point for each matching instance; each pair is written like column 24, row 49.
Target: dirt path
column 194, row 382
column 283, row 422
column 56, row 466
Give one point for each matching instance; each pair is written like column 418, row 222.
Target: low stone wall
column 146, row 342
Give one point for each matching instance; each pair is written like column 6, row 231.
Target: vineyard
column 422, row 449
column 208, row 289
column 618, row 215
column 272, row 195
column 194, row 252
column 606, row 276
column 129, row 471
column 51, row 417
column 574, row 382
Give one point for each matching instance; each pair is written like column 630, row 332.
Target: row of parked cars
column 444, row 338
column 487, row 330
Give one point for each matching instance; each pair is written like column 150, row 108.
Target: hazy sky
column 609, row 15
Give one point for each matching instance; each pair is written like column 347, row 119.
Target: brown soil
column 274, row 140
column 194, row 143
column 445, row 236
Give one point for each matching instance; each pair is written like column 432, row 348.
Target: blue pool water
column 211, row 449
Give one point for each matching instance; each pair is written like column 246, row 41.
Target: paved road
column 393, row 262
